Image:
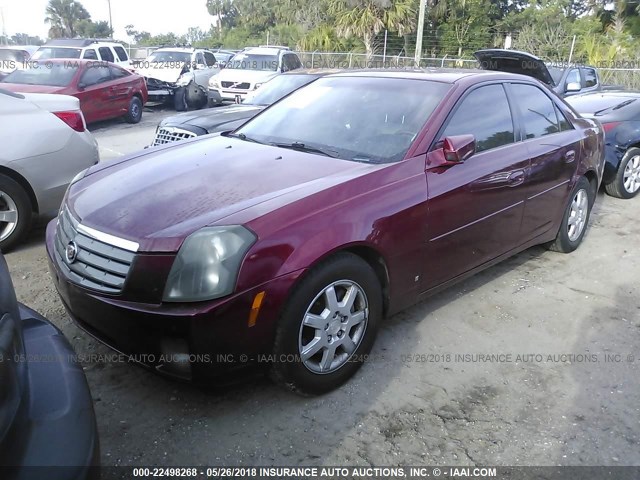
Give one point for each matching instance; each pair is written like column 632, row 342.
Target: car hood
column 22, row 88
column 242, row 76
column 165, row 72
column 512, row 61
column 213, row 119
column 163, row 195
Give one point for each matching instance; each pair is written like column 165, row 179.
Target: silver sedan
column 45, row 144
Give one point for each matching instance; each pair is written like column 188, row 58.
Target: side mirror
column 82, row 86
column 454, row 150
column 573, row 87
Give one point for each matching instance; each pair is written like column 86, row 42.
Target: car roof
column 79, row 42
column 443, row 75
column 264, row 50
column 176, row 49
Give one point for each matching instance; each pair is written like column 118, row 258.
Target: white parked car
column 248, row 70
column 45, row 144
column 14, row 56
column 178, row 74
column 82, row 48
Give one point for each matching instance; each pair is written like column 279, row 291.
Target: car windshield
column 45, row 53
column 279, row 87
column 55, row 75
column 252, row 61
column 169, row 57
column 365, row 119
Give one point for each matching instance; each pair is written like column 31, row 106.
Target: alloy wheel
column 8, row 216
column 579, row 214
column 631, row 175
column 333, row 326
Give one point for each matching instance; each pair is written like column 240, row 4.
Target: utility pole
column 110, row 20
column 418, row 53
column 4, row 38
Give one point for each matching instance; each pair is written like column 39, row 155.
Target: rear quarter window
column 122, row 54
column 106, row 54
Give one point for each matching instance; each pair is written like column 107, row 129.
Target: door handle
column 570, row 156
column 516, row 178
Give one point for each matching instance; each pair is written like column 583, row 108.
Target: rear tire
column 134, row 113
column 575, row 219
column 328, row 326
column 16, row 213
column 627, row 182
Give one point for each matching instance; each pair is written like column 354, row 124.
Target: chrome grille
column 97, row 265
column 171, row 134
column 238, row 86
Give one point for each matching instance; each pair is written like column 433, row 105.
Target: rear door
column 94, row 93
column 553, row 146
column 476, row 207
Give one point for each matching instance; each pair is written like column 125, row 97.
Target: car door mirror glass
column 573, row 87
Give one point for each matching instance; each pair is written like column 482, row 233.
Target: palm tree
column 367, row 18
column 64, row 16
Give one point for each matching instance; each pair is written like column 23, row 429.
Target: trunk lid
column 513, row 61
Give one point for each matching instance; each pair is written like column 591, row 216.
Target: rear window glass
column 58, row 74
column 122, row 55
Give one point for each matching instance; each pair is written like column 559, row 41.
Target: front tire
column 15, row 213
column 575, row 219
column 328, row 326
column 134, row 113
column 627, row 182
column 180, row 99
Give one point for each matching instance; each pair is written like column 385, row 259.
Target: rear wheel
column 627, row 181
column 15, row 213
column 134, row 113
column 328, row 326
column 575, row 219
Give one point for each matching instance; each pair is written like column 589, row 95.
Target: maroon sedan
column 104, row 89
column 287, row 241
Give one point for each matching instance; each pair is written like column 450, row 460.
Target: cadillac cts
column 292, row 237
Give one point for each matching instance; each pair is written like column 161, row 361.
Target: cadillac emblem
column 71, row 252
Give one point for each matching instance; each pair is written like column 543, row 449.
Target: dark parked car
column 564, row 80
column 619, row 113
column 46, row 409
column 202, row 122
column 104, row 89
column 352, row 198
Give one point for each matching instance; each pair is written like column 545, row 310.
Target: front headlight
column 208, row 264
column 214, row 82
column 257, row 85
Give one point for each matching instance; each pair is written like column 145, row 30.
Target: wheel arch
column 26, row 186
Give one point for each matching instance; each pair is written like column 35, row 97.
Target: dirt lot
column 407, row 408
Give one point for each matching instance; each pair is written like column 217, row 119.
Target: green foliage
column 65, row 17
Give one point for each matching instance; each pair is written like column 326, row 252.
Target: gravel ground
column 420, row 401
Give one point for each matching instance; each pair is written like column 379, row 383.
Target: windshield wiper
column 301, row 147
column 243, row 137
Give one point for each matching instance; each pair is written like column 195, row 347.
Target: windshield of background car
column 279, row 87
column 556, row 74
column 169, row 57
column 7, row 55
column 365, row 119
column 55, row 75
column 45, row 53
column 252, row 61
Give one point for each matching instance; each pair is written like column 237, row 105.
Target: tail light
column 610, row 126
column 74, row 119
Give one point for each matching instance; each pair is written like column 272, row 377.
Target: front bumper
column 59, row 427
column 196, row 342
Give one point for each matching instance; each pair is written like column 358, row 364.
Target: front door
column 476, row 207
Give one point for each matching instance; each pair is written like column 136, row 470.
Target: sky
column 154, row 16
